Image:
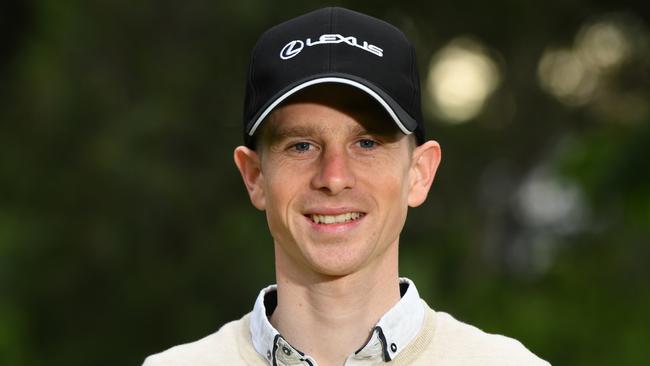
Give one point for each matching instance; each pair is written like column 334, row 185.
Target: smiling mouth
column 336, row 219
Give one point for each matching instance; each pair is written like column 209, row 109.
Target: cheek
column 281, row 194
column 394, row 187
column 392, row 199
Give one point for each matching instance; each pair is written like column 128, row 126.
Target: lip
column 331, row 211
column 338, row 227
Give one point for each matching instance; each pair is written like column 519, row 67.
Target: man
column 335, row 154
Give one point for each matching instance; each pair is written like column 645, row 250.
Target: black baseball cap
column 334, row 45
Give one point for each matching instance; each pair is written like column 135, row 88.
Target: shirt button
column 393, row 347
column 286, row 350
column 268, row 354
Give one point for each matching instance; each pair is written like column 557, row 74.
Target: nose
column 334, row 173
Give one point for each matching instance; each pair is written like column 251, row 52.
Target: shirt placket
column 371, row 354
column 285, row 355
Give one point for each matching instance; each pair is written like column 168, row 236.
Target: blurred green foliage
column 124, row 228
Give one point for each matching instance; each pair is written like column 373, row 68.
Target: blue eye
column 367, row 144
column 301, row 146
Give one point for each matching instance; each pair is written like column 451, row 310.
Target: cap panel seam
column 252, row 68
column 330, row 47
column 414, row 82
column 251, row 72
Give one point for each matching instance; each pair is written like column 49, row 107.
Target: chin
column 336, row 263
column 334, row 273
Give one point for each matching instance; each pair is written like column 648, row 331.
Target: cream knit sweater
column 442, row 341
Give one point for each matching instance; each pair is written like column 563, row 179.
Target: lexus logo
column 291, row 49
column 294, row 47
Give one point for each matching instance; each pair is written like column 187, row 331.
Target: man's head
column 335, row 167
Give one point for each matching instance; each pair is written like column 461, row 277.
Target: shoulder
column 222, row 347
column 470, row 345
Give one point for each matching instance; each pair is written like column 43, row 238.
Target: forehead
column 301, row 111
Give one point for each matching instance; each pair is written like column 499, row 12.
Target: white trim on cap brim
column 330, row 79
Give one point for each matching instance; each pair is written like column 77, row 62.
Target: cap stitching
column 414, row 82
column 330, row 46
column 251, row 71
column 252, row 68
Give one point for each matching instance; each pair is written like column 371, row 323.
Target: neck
column 330, row 317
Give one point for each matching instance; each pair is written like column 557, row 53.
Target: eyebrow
column 277, row 133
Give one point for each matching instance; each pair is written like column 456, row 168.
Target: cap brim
column 403, row 120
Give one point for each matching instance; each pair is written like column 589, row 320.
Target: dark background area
column 125, row 229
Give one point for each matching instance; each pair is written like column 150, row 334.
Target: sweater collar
column 392, row 333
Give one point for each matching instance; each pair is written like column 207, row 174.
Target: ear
column 249, row 164
column 424, row 164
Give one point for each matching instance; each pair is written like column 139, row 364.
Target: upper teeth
column 336, row 219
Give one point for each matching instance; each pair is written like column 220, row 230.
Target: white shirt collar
column 392, row 333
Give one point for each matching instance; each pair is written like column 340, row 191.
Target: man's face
column 335, row 180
